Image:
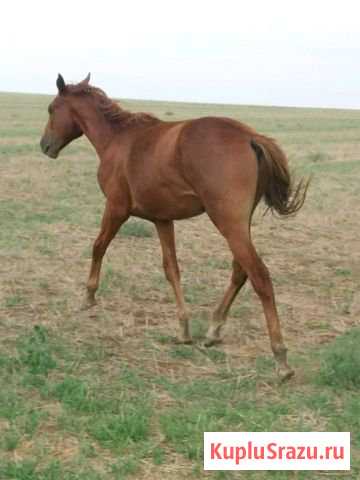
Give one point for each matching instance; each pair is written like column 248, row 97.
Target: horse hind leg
column 218, row 320
column 235, row 228
column 259, row 276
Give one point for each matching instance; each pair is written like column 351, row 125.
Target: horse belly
column 166, row 204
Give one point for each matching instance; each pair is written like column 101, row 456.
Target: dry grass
column 50, row 212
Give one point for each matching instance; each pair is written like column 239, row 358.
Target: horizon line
column 228, row 104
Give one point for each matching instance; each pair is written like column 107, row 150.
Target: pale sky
column 303, row 53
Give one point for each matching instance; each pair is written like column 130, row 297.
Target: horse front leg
column 114, row 216
column 166, row 234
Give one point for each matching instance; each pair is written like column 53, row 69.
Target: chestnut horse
column 165, row 171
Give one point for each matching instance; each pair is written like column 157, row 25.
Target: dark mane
column 111, row 110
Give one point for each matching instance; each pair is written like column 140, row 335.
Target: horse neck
column 94, row 126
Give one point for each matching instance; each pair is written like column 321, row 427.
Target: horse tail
column 275, row 183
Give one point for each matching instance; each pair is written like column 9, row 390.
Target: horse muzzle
column 48, row 148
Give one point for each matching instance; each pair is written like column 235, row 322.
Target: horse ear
column 60, row 83
column 86, row 80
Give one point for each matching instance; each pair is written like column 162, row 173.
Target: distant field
column 106, row 394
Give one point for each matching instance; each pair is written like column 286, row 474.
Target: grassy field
column 106, row 394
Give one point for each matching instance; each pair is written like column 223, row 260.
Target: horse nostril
column 44, row 146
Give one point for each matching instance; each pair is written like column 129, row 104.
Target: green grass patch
column 30, row 470
column 116, row 413
column 125, row 467
column 110, row 280
column 117, row 431
column 19, row 149
column 343, row 272
column 199, row 326
column 10, row 440
column 35, row 352
column 182, row 351
column 221, row 264
column 196, row 293
column 15, row 300
column 137, row 228
column 218, row 407
column 340, row 361
column 348, row 418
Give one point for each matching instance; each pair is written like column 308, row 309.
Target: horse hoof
column 183, row 341
column 285, row 373
column 87, row 305
column 210, row 342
